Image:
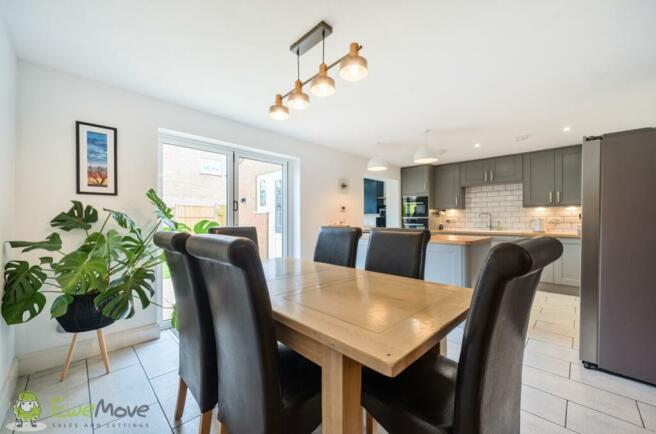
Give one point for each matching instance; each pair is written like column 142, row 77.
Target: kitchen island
column 450, row 259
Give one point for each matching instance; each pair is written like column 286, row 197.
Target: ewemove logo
column 27, row 410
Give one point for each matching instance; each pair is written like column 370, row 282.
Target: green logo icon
column 27, row 410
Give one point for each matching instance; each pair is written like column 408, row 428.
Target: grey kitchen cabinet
column 568, row 176
column 539, row 178
column 416, row 180
column 505, row 170
column 501, row 170
column 553, row 177
column 473, row 173
column 447, row 191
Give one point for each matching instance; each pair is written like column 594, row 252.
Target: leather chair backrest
column 194, row 320
column 337, row 245
column 243, row 324
column 249, row 232
column 398, row 251
column 488, row 386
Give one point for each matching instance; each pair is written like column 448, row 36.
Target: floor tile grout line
column 566, row 411
column 608, row 391
column 545, row 392
column 547, row 420
column 640, row 414
column 86, row 362
column 606, row 414
column 159, row 403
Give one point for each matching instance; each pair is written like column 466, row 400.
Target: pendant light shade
column 377, row 164
column 353, row 67
column 323, row 85
column 298, row 100
column 278, row 111
column 424, row 156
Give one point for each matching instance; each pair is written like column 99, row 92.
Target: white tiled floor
column 558, row 396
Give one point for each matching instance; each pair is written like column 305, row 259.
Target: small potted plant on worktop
column 98, row 281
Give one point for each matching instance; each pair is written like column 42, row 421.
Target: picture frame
column 96, row 159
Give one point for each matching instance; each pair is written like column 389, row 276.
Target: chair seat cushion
column 300, row 380
column 418, row 401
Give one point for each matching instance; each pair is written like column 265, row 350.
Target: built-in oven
column 415, row 207
column 415, row 223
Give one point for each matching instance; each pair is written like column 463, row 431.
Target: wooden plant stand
column 71, row 348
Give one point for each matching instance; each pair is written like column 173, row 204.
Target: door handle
column 491, row 175
column 486, row 176
column 235, row 206
column 558, row 196
column 550, row 197
column 456, row 201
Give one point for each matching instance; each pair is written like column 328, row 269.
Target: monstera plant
column 113, row 266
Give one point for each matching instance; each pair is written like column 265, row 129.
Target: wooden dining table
column 343, row 319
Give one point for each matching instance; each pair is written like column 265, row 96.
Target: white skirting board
column 87, row 346
column 7, row 397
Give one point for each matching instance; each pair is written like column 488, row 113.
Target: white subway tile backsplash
column 504, row 202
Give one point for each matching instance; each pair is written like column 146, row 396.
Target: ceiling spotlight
column 424, row 155
column 377, row 164
column 353, row 67
column 323, row 85
column 477, row 145
column 278, row 111
column 567, row 129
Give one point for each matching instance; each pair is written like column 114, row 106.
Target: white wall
column 49, row 103
column 7, row 157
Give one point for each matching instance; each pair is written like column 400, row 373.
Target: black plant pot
column 83, row 316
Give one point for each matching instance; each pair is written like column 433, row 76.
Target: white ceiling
column 471, row 71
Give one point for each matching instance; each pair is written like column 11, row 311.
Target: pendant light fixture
column 377, row 164
column 424, row 155
column 353, row 67
column 278, row 110
column 298, row 100
column 323, row 85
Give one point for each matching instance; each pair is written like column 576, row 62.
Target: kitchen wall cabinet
column 373, row 190
column 553, row 177
column 501, row 170
column 447, row 191
column 416, row 180
column 568, row 175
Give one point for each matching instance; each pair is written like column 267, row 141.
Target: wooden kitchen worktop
column 461, row 240
column 506, row 233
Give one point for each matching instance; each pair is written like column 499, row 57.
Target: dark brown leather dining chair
column 398, row 251
column 249, row 232
column 481, row 393
column 197, row 348
column 337, row 245
column 268, row 388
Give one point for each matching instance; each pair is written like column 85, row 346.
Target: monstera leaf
column 22, row 284
column 60, row 305
column 51, row 244
column 122, row 219
column 80, row 273
column 118, row 298
column 203, row 226
column 161, row 209
column 78, row 217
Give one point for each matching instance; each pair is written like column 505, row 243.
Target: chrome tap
column 489, row 226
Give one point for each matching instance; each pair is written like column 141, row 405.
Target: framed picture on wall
column 96, row 159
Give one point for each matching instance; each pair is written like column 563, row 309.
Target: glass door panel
column 260, row 196
column 195, row 184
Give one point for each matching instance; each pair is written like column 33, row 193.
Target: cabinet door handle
column 550, row 197
column 456, row 201
column 491, row 175
column 558, row 196
column 486, row 176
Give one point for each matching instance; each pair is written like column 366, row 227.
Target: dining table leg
column 341, row 383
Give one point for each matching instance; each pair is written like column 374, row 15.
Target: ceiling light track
column 353, row 67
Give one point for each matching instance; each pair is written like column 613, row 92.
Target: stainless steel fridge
column 618, row 280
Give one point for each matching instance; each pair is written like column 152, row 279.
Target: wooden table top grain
column 382, row 321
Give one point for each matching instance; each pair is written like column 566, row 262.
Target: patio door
column 209, row 182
